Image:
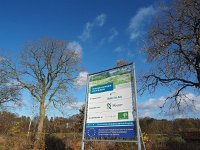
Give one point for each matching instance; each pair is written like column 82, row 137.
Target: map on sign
column 109, row 105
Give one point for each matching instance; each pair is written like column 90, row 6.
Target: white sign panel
column 110, row 104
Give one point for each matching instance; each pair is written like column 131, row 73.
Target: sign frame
column 134, row 109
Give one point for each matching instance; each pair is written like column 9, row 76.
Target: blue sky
column 103, row 30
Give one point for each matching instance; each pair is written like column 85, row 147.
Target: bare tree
column 47, row 70
column 173, row 47
column 9, row 91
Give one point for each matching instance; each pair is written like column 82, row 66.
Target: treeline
column 155, row 126
column 11, row 123
column 66, row 132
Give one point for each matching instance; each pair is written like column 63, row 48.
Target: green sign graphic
column 122, row 115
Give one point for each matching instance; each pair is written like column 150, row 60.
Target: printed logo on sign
column 122, row 115
column 91, row 132
column 109, row 106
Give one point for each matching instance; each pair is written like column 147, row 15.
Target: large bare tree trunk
column 40, row 135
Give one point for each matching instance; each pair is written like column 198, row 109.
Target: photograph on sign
column 110, row 104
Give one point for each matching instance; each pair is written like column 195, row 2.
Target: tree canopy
column 47, row 69
column 173, row 47
column 9, row 91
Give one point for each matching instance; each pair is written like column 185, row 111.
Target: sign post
column 136, row 109
column 111, row 107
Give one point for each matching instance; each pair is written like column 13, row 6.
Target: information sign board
column 110, row 104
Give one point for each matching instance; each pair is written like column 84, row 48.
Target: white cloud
column 146, row 113
column 75, row 105
column 99, row 21
column 193, row 100
column 189, row 106
column 130, row 54
column 114, row 33
column 75, row 46
column 137, row 22
column 152, row 103
column 82, row 79
column 2, row 58
column 119, row 49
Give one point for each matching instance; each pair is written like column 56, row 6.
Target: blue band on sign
column 101, row 88
column 110, row 132
column 125, row 123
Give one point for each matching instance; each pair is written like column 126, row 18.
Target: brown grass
column 2, row 140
